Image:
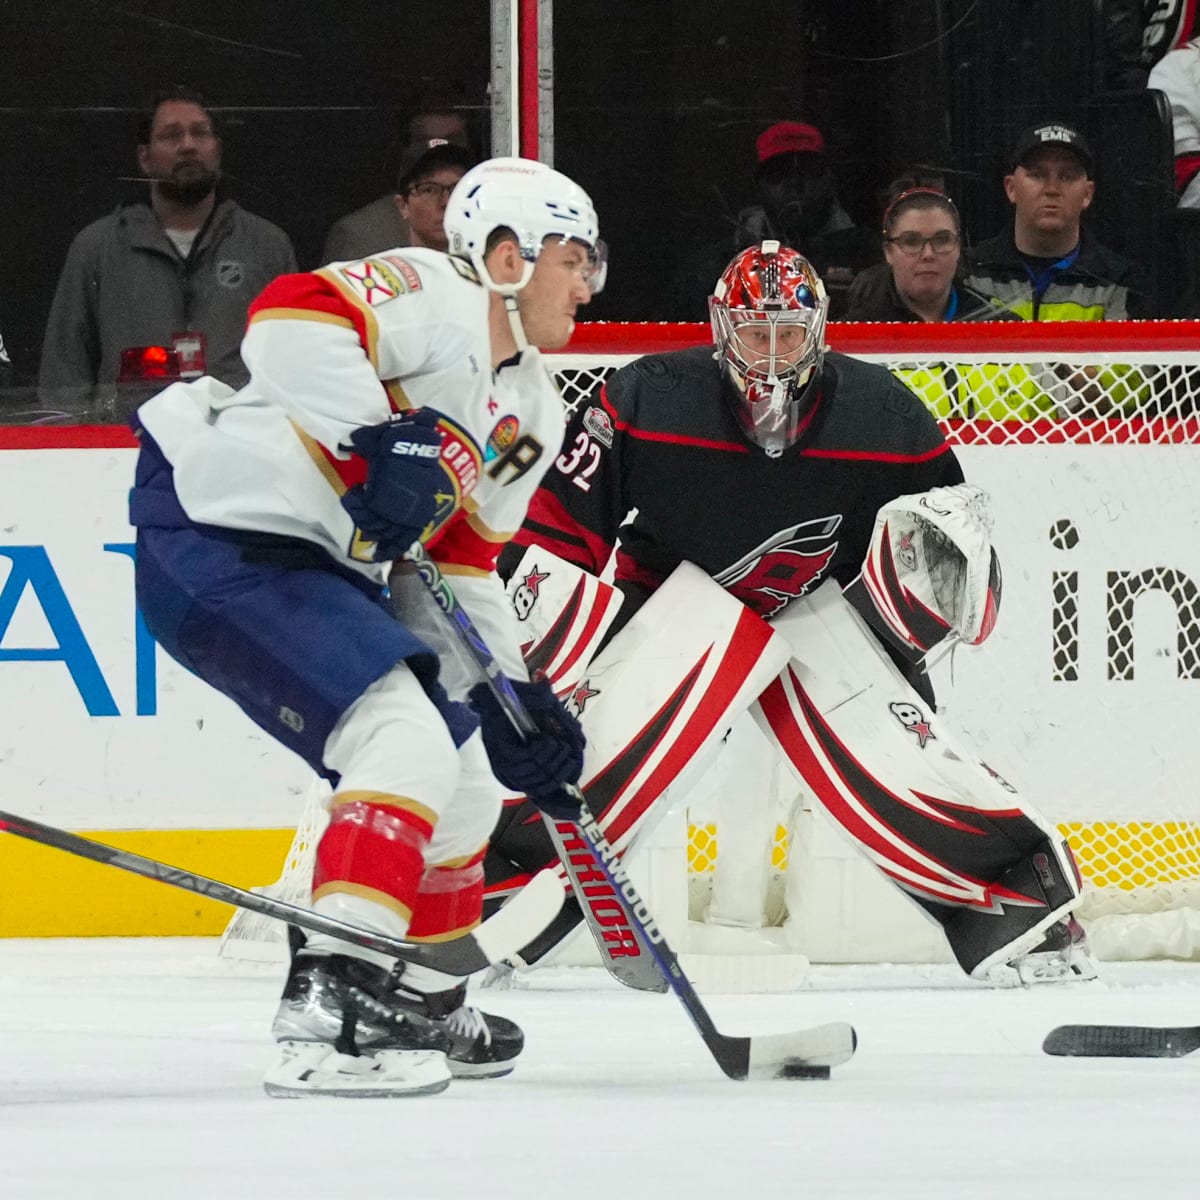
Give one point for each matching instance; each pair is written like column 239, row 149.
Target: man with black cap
column 1047, row 267
column 412, row 215
column 799, row 208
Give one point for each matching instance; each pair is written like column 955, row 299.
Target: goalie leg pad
column 563, row 614
column 941, row 825
column 653, row 704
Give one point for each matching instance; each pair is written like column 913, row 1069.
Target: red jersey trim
column 878, row 455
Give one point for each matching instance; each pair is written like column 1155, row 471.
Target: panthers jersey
column 344, row 347
column 657, row 467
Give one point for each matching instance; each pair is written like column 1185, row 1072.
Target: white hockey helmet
column 534, row 201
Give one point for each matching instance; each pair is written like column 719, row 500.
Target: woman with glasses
column 919, row 278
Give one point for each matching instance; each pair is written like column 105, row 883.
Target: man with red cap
column 799, row 207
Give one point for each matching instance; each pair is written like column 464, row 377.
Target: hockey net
column 1087, row 696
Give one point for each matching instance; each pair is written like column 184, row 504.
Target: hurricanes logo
column 527, row 592
column 905, row 552
column 914, row 720
column 787, row 565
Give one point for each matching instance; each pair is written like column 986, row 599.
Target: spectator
column 426, row 179
column 1047, row 267
column 178, row 272
column 383, row 224
column 799, row 207
column 919, row 279
column 1177, row 74
column 1166, row 25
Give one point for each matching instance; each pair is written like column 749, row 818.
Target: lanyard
column 1042, row 279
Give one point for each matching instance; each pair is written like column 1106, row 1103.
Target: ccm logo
column 417, row 449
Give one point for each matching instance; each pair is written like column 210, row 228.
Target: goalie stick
column 800, row 1054
column 496, row 939
column 1122, row 1041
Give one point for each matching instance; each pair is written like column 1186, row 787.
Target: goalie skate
column 339, row 1035
column 1062, row 956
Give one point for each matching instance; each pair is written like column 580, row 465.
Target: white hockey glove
column 931, row 570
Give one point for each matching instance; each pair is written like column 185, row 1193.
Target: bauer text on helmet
column 768, row 320
column 533, row 201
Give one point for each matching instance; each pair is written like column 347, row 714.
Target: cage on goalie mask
column 768, row 320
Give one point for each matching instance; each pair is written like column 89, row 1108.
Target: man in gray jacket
column 177, row 274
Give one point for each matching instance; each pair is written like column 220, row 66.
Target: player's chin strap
column 513, row 312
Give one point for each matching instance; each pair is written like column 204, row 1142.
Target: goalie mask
column 768, row 319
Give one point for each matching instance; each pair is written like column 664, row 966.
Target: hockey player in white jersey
column 391, row 399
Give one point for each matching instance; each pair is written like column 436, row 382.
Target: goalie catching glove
column 931, row 570
column 398, row 501
column 537, row 765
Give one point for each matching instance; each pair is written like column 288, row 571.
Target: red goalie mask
column 768, row 320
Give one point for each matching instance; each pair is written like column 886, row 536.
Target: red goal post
column 1087, row 435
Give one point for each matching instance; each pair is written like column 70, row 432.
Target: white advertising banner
column 1088, row 693
column 100, row 729
column 1086, row 696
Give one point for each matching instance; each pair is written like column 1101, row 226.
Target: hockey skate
column 340, row 1034
column 1062, row 956
column 481, row 1045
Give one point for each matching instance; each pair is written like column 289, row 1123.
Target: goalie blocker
column 941, row 825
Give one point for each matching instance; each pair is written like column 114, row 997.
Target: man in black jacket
column 1047, row 267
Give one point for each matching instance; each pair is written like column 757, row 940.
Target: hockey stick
column 494, row 940
column 801, row 1054
column 1122, row 1041
column 626, row 954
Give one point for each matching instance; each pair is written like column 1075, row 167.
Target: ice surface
column 133, row 1069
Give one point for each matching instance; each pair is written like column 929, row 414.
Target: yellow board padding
column 49, row 893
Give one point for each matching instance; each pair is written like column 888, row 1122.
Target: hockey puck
column 798, row 1070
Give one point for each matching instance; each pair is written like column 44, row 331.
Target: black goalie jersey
column 661, row 438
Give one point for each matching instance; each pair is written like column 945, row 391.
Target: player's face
column 926, row 276
column 761, row 351
column 1049, row 191
column 183, row 149
column 558, row 286
column 423, row 206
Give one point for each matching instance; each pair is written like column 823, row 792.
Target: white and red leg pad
column 938, row 822
column 654, row 705
column 563, row 613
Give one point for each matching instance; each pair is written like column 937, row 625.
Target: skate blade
column 307, row 1069
column 495, row 1070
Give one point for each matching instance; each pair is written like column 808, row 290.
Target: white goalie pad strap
column 662, row 693
column 562, row 614
column 884, row 766
column 931, row 569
